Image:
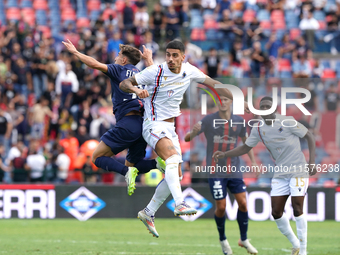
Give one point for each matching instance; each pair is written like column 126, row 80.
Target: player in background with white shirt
column 284, row 146
column 165, row 86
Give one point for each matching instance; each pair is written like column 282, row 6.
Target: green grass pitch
column 129, row 236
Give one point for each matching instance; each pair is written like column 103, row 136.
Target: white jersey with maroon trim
column 166, row 89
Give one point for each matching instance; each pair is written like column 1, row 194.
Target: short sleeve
column 113, row 71
column 147, row 76
column 299, row 130
column 253, row 139
column 198, row 75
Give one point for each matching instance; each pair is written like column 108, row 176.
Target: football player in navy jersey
column 224, row 137
column 128, row 110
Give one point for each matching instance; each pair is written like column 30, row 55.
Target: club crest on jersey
column 281, row 129
column 234, row 128
column 184, row 74
column 170, row 93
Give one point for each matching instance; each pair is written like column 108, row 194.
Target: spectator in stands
column 66, row 84
column 6, row 127
column 235, row 58
column 309, row 24
column 157, row 22
column 193, row 53
column 141, row 20
column 221, row 6
column 226, row 25
column 302, row 48
column 17, row 161
column 3, row 167
column 82, row 135
column 150, row 43
column 286, row 49
column 35, row 163
column 37, row 119
column 84, row 115
column 212, row 64
column 126, row 22
column 23, row 79
column 258, row 59
column 113, row 46
column 273, row 45
column 301, row 67
column 172, row 23
column 90, row 176
column 254, row 32
column 332, row 99
column 39, row 73
column 63, row 162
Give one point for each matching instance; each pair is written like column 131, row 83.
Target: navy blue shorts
column 127, row 134
column 218, row 187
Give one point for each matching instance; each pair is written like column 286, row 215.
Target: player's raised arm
column 194, row 132
column 239, row 151
column 87, row 60
column 222, row 91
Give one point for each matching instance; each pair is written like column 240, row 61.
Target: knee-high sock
column 111, row 165
column 301, row 227
column 161, row 194
column 242, row 220
column 144, row 166
column 285, row 228
column 172, row 178
column 220, row 223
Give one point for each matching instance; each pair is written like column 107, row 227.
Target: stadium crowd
column 51, row 104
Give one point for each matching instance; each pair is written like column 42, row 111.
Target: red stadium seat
column 262, row 1
column 68, row 14
column 28, row 15
column 210, row 24
column 120, row 4
column 248, row 16
column 330, row 146
column 93, row 5
column 46, row 31
column 294, row 33
column 40, row 5
column 279, row 25
column 277, row 15
column 13, row 14
column 65, row 4
column 266, row 24
column 323, row 25
column 328, row 73
column 107, row 13
column 284, row 65
column 198, row 34
column 83, row 22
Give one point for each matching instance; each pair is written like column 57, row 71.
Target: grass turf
column 129, row 236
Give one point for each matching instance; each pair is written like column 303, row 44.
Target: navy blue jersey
column 122, row 102
column 222, row 137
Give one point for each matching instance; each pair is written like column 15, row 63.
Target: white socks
column 161, row 194
column 172, row 178
column 285, row 228
column 301, row 227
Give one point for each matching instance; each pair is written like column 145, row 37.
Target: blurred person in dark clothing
column 172, row 23
column 157, row 22
column 6, row 127
column 212, row 64
column 82, row 135
column 39, row 73
column 127, row 16
column 19, row 172
column 332, row 99
column 84, row 115
column 90, row 176
column 23, row 81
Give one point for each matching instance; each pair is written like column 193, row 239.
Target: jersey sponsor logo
column 224, row 139
column 170, row 93
column 281, row 129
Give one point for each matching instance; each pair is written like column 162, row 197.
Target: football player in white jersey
column 282, row 141
column 165, row 86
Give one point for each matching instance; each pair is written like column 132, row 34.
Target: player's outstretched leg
column 148, row 222
column 226, row 249
column 130, row 178
column 247, row 245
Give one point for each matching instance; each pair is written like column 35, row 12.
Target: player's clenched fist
column 196, row 128
column 217, row 155
column 142, row 93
